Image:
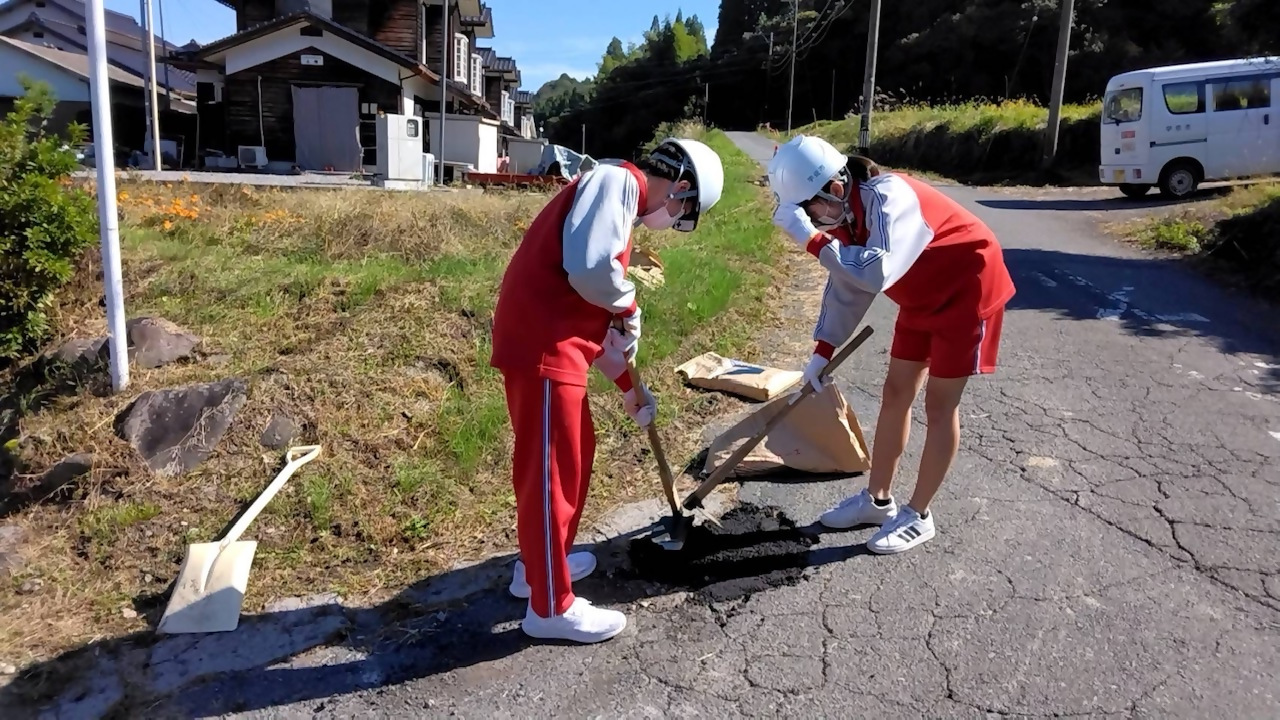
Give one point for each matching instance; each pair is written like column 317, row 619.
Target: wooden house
column 305, row 80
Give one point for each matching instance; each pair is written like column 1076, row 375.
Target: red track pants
column 555, row 447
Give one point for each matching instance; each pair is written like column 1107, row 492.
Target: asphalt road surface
column 1108, row 540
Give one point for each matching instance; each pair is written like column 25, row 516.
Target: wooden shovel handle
column 664, row 470
column 694, row 499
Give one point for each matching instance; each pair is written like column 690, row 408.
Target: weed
column 1178, row 234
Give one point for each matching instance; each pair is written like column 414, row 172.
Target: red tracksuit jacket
column 568, row 278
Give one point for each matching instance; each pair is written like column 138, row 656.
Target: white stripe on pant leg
column 546, row 495
column 977, row 354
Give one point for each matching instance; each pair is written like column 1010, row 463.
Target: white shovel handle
column 296, row 457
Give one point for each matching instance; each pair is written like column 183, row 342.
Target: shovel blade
column 675, row 529
column 209, row 592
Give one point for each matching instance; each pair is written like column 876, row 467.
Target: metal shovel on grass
column 209, row 592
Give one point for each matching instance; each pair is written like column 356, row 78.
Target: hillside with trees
column 931, row 51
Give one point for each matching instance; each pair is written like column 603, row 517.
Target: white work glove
column 612, row 361
column 631, row 334
column 640, row 405
column 813, row 371
column 795, row 222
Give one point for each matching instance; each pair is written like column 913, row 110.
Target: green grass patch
column 1233, row 236
column 976, row 142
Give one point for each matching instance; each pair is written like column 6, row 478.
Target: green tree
column 45, row 223
column 614, row 56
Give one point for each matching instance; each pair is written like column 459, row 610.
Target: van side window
column 1247, row 94
column 1123, row 106
column 1184, row 98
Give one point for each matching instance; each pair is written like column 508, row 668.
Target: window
column 508, row 109
column 1123, row 106
column 477, row 76
column 1245, row 94
column 460, row 55
column 1184, row 98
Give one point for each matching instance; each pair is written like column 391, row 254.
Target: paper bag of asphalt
column 821, row 435
column 710, row 371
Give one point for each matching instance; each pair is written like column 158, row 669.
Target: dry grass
column 364, row 316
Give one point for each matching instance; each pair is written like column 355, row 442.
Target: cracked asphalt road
column 1109, row 538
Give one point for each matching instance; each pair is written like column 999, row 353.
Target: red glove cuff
column 825, row 349
column 816, row 243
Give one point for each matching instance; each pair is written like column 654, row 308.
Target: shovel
column 209, row 591
column 678, row 524
column 694, row 499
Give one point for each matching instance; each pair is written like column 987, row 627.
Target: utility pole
column 869, row 79
column 791, row 93
column 768, row 78
column 1059, row 83
column 446, row 49
column 833, row 93
column 108, row 219
column 706, row 101
column 168, row 88
column 151, row 87
column 584, row 138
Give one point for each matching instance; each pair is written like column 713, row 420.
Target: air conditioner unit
column 252, row 156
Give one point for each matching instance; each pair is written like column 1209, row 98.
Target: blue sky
column 546, row 37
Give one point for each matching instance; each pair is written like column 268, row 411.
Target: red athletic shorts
column 952, row 353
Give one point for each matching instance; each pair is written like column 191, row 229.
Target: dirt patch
column 754, row 548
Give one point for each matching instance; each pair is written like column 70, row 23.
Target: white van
column 1177, row 126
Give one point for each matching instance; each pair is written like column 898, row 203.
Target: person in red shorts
column 880, row 232
column 566, row 305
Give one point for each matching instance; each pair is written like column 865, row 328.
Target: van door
column 1122, row 124
column 1241, row 126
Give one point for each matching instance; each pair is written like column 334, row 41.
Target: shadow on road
column 1149, row 297
column 451, row 621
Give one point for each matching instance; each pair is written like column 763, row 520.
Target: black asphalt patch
column 754, row 548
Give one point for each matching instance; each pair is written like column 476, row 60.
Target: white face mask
column 660, row 219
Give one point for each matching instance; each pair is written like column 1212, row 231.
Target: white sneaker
column 904, row 532
column 858, row 510
column 581, row 564
column 582, row 622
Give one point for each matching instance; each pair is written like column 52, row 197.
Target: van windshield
column 1123, row 106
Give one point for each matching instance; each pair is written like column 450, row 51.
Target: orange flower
column 168, row 225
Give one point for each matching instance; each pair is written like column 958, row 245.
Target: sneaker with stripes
column 906, row 530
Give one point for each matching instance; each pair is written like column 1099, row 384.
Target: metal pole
column 108, row 225
column 151, row 82
column 869, row 79
column 791, row 93
column 1059, row 84
column 168, row 89
column 584, row 138
column 706, row 101
column 446, row 49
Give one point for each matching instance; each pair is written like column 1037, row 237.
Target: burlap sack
column 820, row 435
column 754, row 382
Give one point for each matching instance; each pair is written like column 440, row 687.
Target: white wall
column 525, row 154
column 468, row 139
column 66, row 86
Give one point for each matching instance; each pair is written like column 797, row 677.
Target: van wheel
column 1179, row 180
column 1134, row 191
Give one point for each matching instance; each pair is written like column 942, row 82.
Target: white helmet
column 685, row 155
column 802, row 167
